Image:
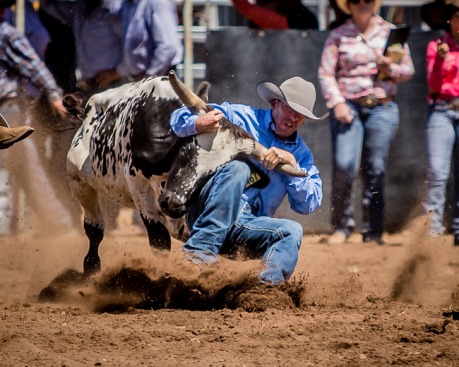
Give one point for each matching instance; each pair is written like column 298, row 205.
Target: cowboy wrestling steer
column 125, row 149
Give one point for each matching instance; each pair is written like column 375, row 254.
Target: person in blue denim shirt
column 231, row 216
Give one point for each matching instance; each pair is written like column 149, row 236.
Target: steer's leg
column 93, row 224
column 158, row 235
column 145, row 194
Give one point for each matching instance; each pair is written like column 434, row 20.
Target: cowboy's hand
column 209, row 122
column 106, row 77
column 442, row 49
column 343, row 113
column 58, row 108
column 273, row 156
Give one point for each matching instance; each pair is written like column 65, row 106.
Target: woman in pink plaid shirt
column 359, row 84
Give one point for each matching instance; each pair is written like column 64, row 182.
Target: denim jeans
column 364, row 144
column 442, row 131
column 223, row 223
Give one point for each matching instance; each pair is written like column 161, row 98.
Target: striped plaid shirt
column 348, row 66
column 18, row 60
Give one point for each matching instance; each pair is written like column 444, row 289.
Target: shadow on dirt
column 126, row 288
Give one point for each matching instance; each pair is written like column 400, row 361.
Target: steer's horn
column 281, row 167
column 187, row 96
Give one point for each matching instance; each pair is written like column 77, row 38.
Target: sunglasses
column 356, row 2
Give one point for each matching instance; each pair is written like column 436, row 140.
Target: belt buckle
column 369, row 101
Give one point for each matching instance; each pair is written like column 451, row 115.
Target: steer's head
column 200, row 156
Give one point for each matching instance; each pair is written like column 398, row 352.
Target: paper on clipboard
column 3, row 121
column 397, row 35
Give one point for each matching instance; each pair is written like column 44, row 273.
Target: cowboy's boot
column 11, row 135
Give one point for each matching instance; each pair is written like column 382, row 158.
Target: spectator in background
column 60, row 55
column 96, row 26
column 277, row 14
column 120, row 41
column 35, row 32
column 19, row 62
column 364, row 116
column 442, row 123
column 151, row 45
column 434, row 14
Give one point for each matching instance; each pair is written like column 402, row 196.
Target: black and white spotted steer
column 126, row 150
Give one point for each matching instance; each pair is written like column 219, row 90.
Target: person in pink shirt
column 442, row 123
column 359, row 84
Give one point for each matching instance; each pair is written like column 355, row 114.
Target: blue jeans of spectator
column 362, row 145
column 442, row 132
column 223, row 223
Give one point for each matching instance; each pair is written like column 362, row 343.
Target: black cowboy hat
column 437, row 13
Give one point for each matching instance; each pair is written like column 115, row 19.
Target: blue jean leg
column 364, row 144
column 276, row 241
column 215, row 211
column 380, row 127
column 441, row 135
column 347, row 142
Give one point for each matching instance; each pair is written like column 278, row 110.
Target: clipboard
column 397, row 35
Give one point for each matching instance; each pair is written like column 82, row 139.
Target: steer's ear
column 203, row 91
column 187, row 96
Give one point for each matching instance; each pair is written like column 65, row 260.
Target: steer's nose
column 170, row 205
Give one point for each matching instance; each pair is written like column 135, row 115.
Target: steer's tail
column 74, row 105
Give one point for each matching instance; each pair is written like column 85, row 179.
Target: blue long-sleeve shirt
column 303, row 193
column 151, row 45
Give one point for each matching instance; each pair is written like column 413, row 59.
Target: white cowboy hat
column 295, row 92
column 343, row 5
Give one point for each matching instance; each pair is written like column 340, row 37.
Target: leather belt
column 451, row 104
column 372, row 101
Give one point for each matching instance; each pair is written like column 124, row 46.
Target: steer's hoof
column 163, row 254
column 91, row 265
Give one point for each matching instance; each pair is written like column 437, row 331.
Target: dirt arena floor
column 348, row 305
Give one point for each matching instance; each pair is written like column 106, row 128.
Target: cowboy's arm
column 305, row 193
column 20, row 56
column 185, row 123
column 273, row 156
